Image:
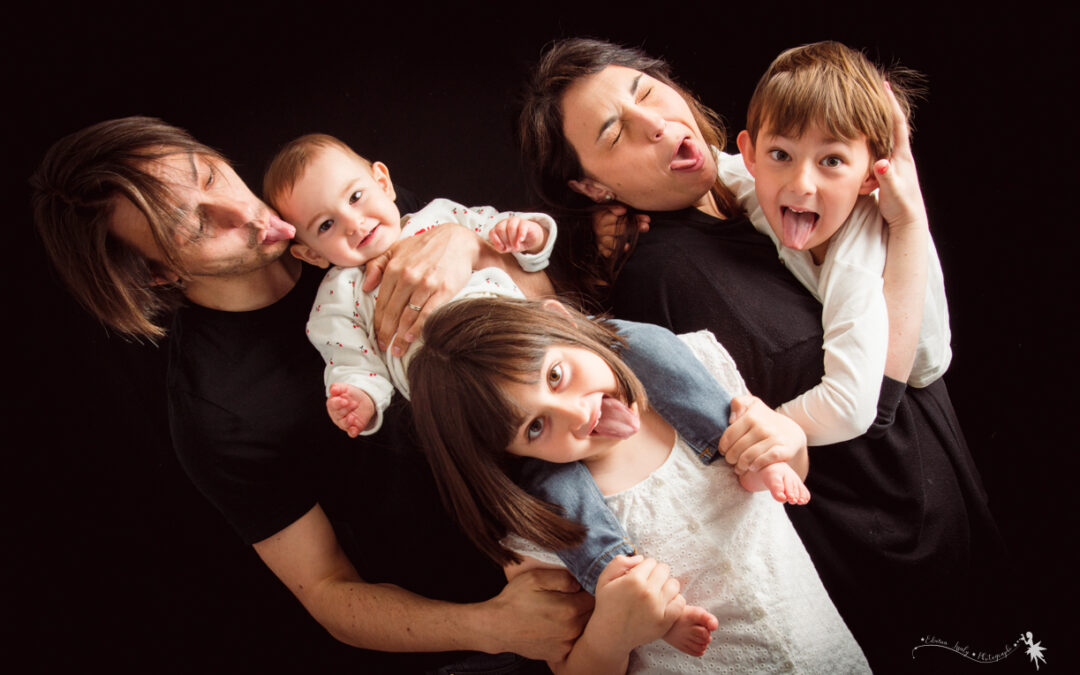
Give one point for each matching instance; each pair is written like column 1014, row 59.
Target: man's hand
column 540, row 614
column 350, row 408
column 418, row 275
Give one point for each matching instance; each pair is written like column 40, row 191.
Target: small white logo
column 1034, row 650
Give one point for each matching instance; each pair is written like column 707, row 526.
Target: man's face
column 220, row 228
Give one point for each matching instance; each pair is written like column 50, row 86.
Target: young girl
column 498, row 380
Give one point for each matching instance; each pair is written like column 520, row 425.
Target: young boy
column 342, row 206
column 819, row 125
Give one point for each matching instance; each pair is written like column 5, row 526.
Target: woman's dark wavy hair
column 465, row 421
column 550, row 161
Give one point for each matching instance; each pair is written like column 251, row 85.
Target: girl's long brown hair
column 465, row 421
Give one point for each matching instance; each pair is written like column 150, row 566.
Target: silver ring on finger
column 415, row 308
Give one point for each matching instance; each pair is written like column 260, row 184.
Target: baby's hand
column 516, row 234
column 350, row 408
column 610, row 223
column 759, row 436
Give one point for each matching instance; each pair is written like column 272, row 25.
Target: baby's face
column 807, row 186
column 343, row 211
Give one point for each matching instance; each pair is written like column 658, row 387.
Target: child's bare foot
column 692, row 632
column 780, row 480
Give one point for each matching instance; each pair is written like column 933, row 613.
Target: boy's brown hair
column 465, row 421
column 289, row 163
column 833, row 85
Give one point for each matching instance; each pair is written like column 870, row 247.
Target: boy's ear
column 746, row 149
column 552, row 305
column 594, row 190
column 870, row 183
column 381, row 174
column 308, row 255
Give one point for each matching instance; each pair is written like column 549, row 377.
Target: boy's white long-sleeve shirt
column 854, row 316
column 340, row 324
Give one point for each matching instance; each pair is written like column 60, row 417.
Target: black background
column 112, row 557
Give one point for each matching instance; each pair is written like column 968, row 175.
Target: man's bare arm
column 538, row 615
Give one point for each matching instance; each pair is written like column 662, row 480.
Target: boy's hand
column 516, row 234
column 350, row 408
column 610, row 223
column 899, row 197
column 759, row 436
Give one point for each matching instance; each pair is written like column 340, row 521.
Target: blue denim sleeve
column 676, row 384
column 679, row 387
column 572, row 487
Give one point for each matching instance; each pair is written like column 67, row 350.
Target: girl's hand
column 610, row 223
column 899, row 197
column 517, row 234
column 759, row 436
column 637, row 601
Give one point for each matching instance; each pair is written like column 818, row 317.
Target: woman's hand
column 419, row 274
column 899, row 197
column 759, row 436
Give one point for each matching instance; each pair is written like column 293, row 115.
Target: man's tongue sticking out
column 278, row 230
column 617, row 420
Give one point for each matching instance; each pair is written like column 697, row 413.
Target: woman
column 898, row 513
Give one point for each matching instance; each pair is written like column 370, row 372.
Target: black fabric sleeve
column 892, row 391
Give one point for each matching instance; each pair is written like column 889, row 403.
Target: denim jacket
column 676, row 384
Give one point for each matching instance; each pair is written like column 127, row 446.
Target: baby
column 342, row 206
column 819, row 129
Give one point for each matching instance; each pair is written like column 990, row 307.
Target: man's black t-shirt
column 249, row 425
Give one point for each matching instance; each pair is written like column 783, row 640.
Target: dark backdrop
column 113, row 558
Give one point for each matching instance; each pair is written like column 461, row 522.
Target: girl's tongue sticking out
column 617, row 420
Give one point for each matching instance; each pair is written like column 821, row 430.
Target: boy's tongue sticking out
column 617, row 420
column 798, row 226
